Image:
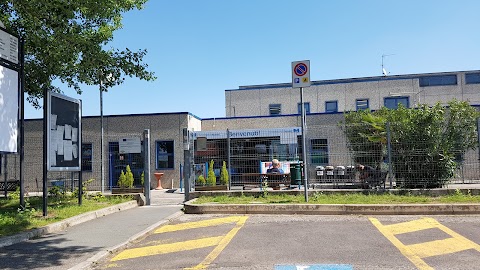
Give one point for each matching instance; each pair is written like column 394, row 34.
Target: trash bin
column 295, row 174
column 340, row 172
column 350, row 173
column 329, row 172
column 320, row 172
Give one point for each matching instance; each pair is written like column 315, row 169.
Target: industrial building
column 263, row 122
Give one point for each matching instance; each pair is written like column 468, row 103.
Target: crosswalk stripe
column 168, row 248
column 198, row 224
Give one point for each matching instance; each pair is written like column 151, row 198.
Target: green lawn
column 12, row 220
column 319, row 198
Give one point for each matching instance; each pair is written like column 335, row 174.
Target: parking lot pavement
column 279, row 242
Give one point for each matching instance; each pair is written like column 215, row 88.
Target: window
column 275, row 109
column 319, row 151
column 331, row 106
column 164, row 155
column 393, row 102
column 306, row 105
column 472, row 78
column 87, row 157
column 362, row 104
column 438, row 80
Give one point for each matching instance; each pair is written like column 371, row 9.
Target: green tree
column 427, row 143
column 129, row 177
column 211, row 178
column 68, row 41
column 224, row 174
column 122, row 180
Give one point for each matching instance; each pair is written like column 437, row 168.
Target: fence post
column 187, row 166
column 228, row 160
column 146, row 153
column 389, row 150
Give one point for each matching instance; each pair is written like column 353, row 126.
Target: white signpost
column 8, row 47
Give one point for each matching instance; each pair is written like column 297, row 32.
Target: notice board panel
column 9, row 104
column 64, row 138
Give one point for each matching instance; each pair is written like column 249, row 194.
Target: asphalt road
column 306, row 242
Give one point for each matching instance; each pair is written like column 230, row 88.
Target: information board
column 64, row 133
column 9, row 103
column 8, row 46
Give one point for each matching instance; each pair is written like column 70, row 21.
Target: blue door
column 119, row 162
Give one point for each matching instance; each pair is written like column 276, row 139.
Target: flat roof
column 351, row 80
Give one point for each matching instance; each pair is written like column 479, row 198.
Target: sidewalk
column 78, row 246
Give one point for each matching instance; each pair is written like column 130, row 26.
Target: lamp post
column 102, row 167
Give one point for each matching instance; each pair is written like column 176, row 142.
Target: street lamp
column 102, row 183
column 102, row 166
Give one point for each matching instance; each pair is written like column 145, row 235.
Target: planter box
column 209, row 188
column 127, row 190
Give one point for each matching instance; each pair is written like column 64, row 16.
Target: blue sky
column 199, row 49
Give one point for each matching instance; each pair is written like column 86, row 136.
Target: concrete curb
column 333, row 209
column 104, row 253
column 62, row 225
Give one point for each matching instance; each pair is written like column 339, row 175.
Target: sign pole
column 304, row 149
column 300, row 79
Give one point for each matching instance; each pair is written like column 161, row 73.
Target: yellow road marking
column 411, row 226
column 168, row 248
column 419, row 263
column 416, row 252
column 221, row 246
column 198, row 224
column 439, row 247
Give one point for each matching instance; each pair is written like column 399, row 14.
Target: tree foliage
column 427, row 143
column 129, row 177
column 224, row 174
column 67, row 41
column 211, row 178
column 122, row 180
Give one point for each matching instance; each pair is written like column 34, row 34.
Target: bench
column 273, row 180
column 11, row 185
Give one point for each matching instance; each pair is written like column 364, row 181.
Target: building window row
column 472, row 78
column 438, row 80
column 306, row 105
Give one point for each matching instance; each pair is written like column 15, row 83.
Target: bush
column 224, row 175
column 129, row 178
column 201, row 180
column 427, row 143
column 211, row 178
column 122, row 179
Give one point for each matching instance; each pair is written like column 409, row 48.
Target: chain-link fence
column 352, row 156
column 389, row 158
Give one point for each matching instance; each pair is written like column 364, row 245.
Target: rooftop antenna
column 384, row 71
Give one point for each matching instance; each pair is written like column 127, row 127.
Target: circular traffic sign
column 300, row 69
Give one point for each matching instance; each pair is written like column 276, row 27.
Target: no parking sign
column 301, row 74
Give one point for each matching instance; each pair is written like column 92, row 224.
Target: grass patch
column 13, row 220
column 354, row 198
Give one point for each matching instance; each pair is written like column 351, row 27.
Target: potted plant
column 211, row 181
